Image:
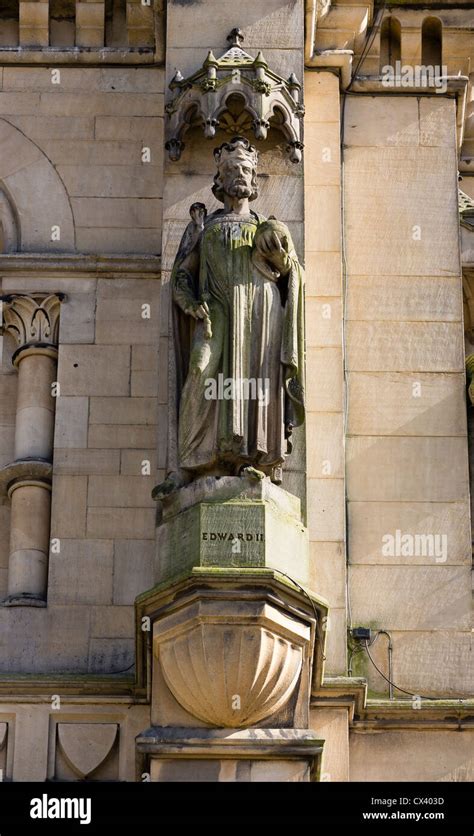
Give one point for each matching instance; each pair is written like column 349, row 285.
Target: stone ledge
column 91, row 56
column 341, row 691
column 134, row 265
column 253, row 745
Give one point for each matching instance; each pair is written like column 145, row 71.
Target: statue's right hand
column 198, row 310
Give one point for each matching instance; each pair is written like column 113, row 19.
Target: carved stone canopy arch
column 235, row 93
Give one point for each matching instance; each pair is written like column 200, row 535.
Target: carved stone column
column 33, row 321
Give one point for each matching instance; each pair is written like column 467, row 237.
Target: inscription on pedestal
column 259, row 526
column 229, row 536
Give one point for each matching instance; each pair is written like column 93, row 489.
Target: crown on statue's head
column 237, row 148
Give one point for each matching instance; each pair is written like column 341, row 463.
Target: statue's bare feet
column 252, row 473
column 172, row 483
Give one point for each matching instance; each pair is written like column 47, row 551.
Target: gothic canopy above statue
column 235, row 93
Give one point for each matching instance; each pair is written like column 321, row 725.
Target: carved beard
column 239, row 190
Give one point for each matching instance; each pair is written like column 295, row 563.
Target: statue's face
column 236, row 175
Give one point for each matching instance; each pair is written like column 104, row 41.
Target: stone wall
column 76, row 156
column 407, row 460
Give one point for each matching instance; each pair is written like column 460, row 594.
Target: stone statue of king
column 238, row 334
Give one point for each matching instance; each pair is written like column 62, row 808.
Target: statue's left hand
column 272, row 249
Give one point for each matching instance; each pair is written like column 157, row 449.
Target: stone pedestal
column 230, row 644
column 233, row 522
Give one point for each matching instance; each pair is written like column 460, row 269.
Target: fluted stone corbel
column 33, row 322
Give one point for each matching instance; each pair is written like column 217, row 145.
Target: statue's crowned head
column 236, row 169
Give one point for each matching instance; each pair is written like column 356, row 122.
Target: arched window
column 62, row 22
column 115, row 23
column 390, row 42
column 431, row 42
column 9, row 23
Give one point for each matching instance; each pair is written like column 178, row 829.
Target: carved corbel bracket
column 235, row 93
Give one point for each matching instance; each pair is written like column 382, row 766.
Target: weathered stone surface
column 82, row 572
column 411, row 756
column 323, row 274
column 404, row 403
column 144, row 358
column 322, row 96
column 55, row 127
column 122, row 435
column 325, row 451
column 336, row 642
column 122, row 410
column 138, row 523
column 432, row 663
column 328, row 572
column 412, row 598
column 142, row 241
column 77, row 324
column 370, row 522
column 383, row 469
column 323, row 202
column 324, row 379
column 103, row 79
column 26, row 184
column 8, row 387
column 409, row 193
column 58, row 639
column 278, row 25
column 323, row 321
column 135, row 462
column 71, row 422
column 101, row 181
column 7, row 445
column 75, row 462
column 96, row 212
column 322, row 155
column 331, row 726
column 228, row 769
column 120, row 491
column 405, row 298
column 112, row 622
column 405, row 346
column 142, row 128
column 370, row 122
column 122, row 321
column 111, row 655
column 133, row 569
column 68, row 515
column 437, row 121
column 326, row 509
column 103, row 152
column 94, row 370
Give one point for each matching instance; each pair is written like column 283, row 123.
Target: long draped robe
column 257, row 344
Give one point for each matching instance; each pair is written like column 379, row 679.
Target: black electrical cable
column 304, row 591
column 420, row 696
